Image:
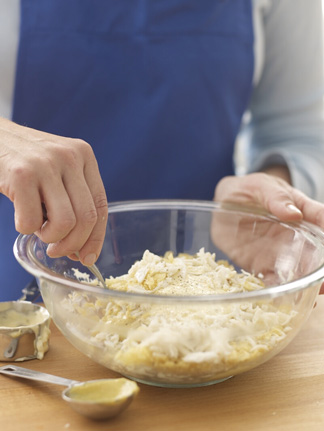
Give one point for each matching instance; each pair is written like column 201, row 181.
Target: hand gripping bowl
column 168, row 336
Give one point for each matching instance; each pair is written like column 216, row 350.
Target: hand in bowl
column 255, row 248
column 38, row 169
column 273, row 194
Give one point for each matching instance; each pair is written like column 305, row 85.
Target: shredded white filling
column 194, row 341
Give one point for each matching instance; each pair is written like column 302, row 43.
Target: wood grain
column 286, row 393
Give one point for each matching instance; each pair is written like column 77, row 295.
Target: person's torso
column 158, row 88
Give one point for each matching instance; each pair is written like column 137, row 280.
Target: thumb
column 285, row 209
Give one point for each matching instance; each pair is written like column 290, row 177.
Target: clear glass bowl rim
column 23, row 243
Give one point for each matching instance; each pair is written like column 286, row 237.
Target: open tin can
column 24, row 331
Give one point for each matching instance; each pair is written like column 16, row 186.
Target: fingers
column 60, row 215
column 92, row 247
column 313, row 211
column 27, row 204
column 273, row 194
column 27, row 196
column 62, row 174
column 289, row 204
column 88, row 201
column 282, row 202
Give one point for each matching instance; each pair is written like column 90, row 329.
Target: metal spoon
column 93, row 268
column 95, row 271
column 96, row 399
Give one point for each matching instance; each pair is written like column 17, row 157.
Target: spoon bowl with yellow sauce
column 95, row 399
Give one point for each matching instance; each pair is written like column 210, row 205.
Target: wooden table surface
column 286, row 393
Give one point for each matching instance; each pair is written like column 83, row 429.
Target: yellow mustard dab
column 103, row 391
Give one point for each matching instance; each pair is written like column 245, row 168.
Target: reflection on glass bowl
column 168, row 337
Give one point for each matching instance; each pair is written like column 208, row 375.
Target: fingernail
column 90, row 259
column 50, row 249
column 292, row 208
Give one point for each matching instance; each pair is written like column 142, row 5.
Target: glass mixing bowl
column 175, row 339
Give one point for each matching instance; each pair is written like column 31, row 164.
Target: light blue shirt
column 286, row 119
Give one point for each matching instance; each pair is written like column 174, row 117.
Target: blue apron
column 157, row 87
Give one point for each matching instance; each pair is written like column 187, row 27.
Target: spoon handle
column 95, row 271
column 14, row 371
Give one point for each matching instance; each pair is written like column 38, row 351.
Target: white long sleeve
column 287, row 111
column 9, row 35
